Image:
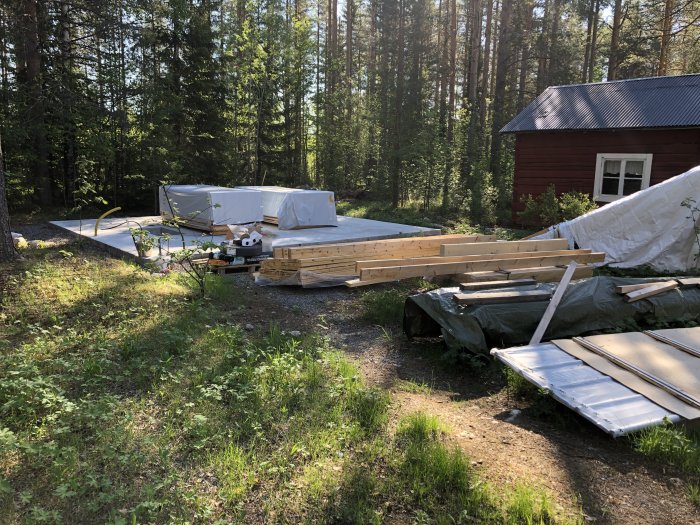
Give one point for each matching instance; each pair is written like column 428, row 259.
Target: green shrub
column 547, row 209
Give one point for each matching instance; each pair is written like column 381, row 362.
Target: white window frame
column 598, row 194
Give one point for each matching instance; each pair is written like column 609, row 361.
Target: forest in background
column 102, row 100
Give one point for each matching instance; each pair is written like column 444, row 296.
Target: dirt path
column 581, row 467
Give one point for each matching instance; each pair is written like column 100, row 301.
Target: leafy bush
column 547, row 209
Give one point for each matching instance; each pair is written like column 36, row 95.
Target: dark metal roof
column 656, row 102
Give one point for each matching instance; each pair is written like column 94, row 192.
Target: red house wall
column 568, row 159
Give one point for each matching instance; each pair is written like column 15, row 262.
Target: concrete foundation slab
column 114, row 234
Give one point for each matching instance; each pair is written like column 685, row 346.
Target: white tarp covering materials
column 295, row 208
column 212, row 205
column 647, row 228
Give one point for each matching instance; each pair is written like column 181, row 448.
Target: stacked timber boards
column 328, row 263
column 395, row 259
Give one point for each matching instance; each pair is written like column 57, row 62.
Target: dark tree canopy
column 399, row 98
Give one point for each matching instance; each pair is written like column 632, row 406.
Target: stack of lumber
column 324, row 262
column 501, row 259
column 395, row 259
column 636, row 292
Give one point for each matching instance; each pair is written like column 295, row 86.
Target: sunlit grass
column 126, row 398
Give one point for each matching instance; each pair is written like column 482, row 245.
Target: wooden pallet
column 198, row 224
column 236, row 268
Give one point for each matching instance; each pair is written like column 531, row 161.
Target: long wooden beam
column 553, row 304
column 385, row 263
column 478, row 248
column 427, row 270
column 501, row 297
column 428, row 243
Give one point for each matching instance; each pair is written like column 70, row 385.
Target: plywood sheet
column 658, row 359
column 630, row 380
column 689, row 337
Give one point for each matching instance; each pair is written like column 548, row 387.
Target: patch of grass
column 383, row 307
column 671, row 444
column 694, row 493
column 528, row 505
column 357, row 502
column 415, row 387
column 418, row 429
column 675, row 446
column 125, row 397
column 518, row 386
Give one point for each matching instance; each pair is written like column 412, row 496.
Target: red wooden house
column 608, row 139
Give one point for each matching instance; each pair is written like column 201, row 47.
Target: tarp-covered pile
column 292, row 208
column 648, row 228
column 210, row 206
column 588, row 306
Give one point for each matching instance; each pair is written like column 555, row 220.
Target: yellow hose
column 97, row 222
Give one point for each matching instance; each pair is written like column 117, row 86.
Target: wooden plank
column 553, row 304
column 478, row 248
column 634, row 287
column 425, row 270
column 542, row 275
column 481, row 277
column 428, row 244
column 650, row 291
column 689, row 281
column 354, row 283
column 490, row 285
column 551, row 274
column 663, row 366
column 413, row 261
column 518, row 296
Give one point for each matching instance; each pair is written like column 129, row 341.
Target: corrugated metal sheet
column 624, row 104
column 606, row 403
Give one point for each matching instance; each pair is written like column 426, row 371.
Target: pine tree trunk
column 499, row 102
column 613, row 60
column 450, row 102
column 589, row 36
column 396, row 161
column 543, row 50
column 485, row 74
column 37, row 127
column 7, row 248
column 594, row 42
column 525, row 55
column 666, row 28
column 552, row 50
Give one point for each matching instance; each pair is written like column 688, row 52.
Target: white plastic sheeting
column 295, row 208
column 212, row 204
column 649, row 227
